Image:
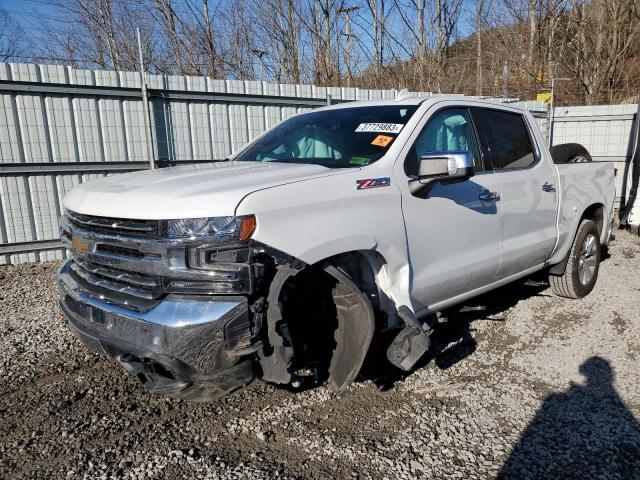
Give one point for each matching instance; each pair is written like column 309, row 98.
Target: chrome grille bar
column 119, row 275
column 114, row 286
column 116, row 225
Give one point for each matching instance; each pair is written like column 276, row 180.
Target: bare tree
column 323, row 28
column 170, row 23
column 278, row 27
column 97, row 33
column 237, row 43
column 602, row 35
column 378, row 21
column 10, row 35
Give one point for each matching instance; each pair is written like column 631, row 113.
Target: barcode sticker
column 380, row 127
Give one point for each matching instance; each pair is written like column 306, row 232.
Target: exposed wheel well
column 330, row 310
column 595, row 212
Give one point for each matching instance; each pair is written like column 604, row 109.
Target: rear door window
column 507, row 138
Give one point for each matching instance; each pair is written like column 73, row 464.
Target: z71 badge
column 373, row 183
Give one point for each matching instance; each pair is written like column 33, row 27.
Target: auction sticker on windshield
column 380, row 127
column 382, row 140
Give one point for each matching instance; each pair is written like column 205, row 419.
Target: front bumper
column 192, row 347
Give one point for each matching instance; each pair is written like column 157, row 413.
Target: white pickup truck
column 284, row 261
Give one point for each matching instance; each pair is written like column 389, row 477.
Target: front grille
column 122, row 226
column 120, row 251
column 128, row 289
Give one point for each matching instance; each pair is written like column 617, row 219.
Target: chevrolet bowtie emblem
column 79, row 245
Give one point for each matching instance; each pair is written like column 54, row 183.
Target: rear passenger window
column 507, row 137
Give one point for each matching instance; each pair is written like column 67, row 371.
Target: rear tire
column 581, row 273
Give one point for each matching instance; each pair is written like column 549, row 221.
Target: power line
column 36, row 15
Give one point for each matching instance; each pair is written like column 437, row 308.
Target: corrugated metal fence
column 61, row 126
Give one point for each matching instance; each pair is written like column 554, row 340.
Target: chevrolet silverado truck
column 335, row 227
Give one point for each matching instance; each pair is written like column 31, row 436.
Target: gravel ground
column 531, row 386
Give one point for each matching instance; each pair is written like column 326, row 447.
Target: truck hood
column 189, row 191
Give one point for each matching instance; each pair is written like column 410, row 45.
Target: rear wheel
column 581, row 273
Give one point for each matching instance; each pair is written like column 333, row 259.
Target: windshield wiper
column 311, row 161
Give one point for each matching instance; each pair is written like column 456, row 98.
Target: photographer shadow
column 584, row 432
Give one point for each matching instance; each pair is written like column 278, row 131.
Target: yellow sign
column 79, row 245
column 544, row 97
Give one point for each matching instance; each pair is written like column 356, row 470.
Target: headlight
column 216, row 229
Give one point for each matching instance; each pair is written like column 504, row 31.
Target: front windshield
column 337, row 138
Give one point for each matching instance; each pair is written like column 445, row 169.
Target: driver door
column 453, row 231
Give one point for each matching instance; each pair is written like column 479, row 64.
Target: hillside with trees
column 477, row 47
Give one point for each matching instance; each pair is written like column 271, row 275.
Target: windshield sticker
column 367, row 183
column 382, row 140
column 380, row 127
column 359, row 161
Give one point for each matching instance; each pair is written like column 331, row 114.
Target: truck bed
column 583, row 184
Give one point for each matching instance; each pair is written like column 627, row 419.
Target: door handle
column 488, row 196
column 548, row 187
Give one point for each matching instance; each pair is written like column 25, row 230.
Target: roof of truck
column 415, row 100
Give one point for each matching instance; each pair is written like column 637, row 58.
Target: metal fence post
column 145, row 107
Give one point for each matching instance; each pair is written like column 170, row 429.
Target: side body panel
column 582, row 185
column 453, row 235
column 453, row 240
column 529, row 204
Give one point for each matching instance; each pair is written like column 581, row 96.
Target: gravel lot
column 530, row 387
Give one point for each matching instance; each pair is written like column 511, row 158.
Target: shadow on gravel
column 452, row 341
column 585, row 432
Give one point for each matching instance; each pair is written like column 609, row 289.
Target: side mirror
column 446, row 167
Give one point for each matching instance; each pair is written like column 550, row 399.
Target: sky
column 27, row 12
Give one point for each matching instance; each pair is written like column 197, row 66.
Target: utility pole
column 209, row 39
column 439, row 47
column 347, row 47
column 505, row 77
column 552, row 108
column 260, row 54
column 145, row 106
column 479, row 9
